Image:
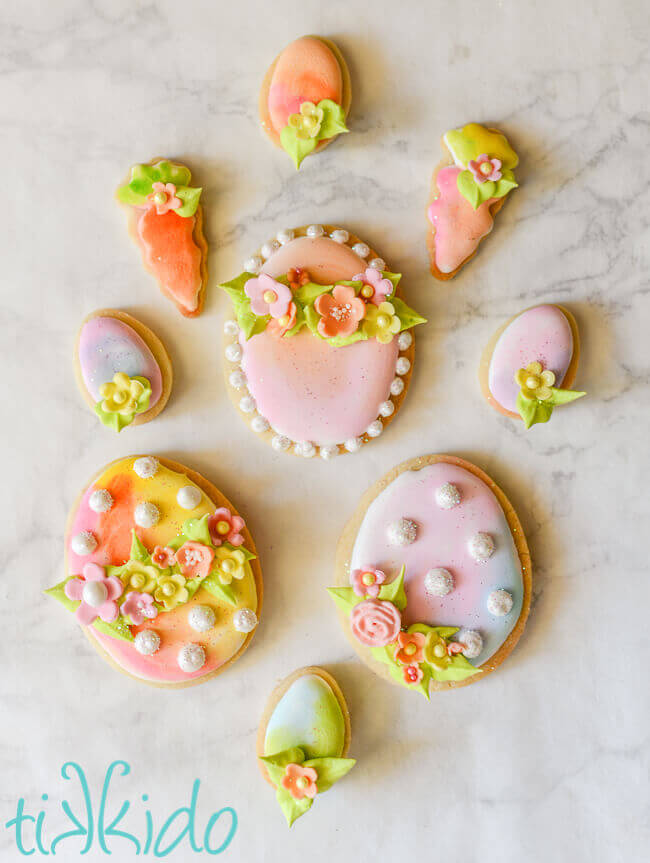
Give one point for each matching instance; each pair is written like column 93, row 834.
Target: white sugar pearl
column 231, row 328
column 402, row 366
column 146, row 642
column 472, row 640
column 280, row 443
column 190, row 658
column 329, row 452
column 438, row 582
column 269, row 249
column 234, row 352
column 83, row 543
column 375, row 429
column 237, row 379
column 201, row 618
column 402, row 532
column 481, row 547
column 340, row 236
column 146, row 467
column 396, row 387
column 404, row 341
column 101, row 500
column 188, row 497
column 386, row 409
column 353, row 444
column 305, row 448
column 285, row 236
column 447, row 496
column 253, row 264
column 361, row 250
column 244, row 620
column 146, row 514
column 94, row 593
column 247, row 404
column 260, row 425
column 315, row 231
column 378, row 264
column 499, row 603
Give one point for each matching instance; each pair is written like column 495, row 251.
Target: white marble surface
column 546, row 760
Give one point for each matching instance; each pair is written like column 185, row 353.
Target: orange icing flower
column 298, row 277
column 341, row 311
column 194, row 559
column 410, row 648
column 163, row 556
column 300, row 781
column 277, row 327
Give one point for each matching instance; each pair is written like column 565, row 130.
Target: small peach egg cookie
column 160, row 572
column 433, row 575
column 320, row 351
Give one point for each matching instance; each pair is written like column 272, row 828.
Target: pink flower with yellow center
column 137, row 606
column 341, row 311
column 97, row 593
column 484, row 169
column 375, row 287
column 164, row 198
column 300, row 781
column 163, row 556
column 367, row 581
column 277, row 327
column 194, row 559
column 267, row 296
column 225, row 527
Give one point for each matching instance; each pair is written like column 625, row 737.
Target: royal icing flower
column 436, row 651
column 413, row 674
column 164, row 198
column 535, row 383
column 137, row 606
column 484, row 168
column 375, row 287
column 97, row 593
column 139, row 576
column 381, row 322
column 367, row 581
column 120, row 396
column 163, row 556
column 300, row 781
column 194, row 559
column 307, row 123
column 375, row 622
column 171, row 591
column 298, row 276
column 225, row 527
column 277, row 327
column 410, row 648
column 267, row 296
column 341, row 311
column 229, row 564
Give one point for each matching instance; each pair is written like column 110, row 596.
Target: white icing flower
column 472, row 641
column 499, row 603
column 146, row 467
column 481, row 547
column 404, row 531
column 438, row 582
column 201, row 618
column 191, row 657
column 146, row 642
column 447, row 496
column 188, row 497
column 146, row 514
column 83, row 543
column 244, row 620
column 101, row 500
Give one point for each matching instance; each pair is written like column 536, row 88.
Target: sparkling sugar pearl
column 402, row 532
column 438, row 582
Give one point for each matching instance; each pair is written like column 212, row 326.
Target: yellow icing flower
column 307, row 123
column 535, row 383
column 121, row 395
column 171, row 591
column 139, row 576
column 229, row 564
column 435, row 651
column 381, row 322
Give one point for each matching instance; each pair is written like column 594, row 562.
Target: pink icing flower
column 300, row 781
column 454, row 647
column 164, row 198
column 194, row 559
column 410, row 649
column 485, row 169
column 138, row 606
column 413, row 674
column 97, row 593
column 267, row 296
column 375, row 622
column 225, row 527
column 374, row 281
column 277, row 327
column 340, row 312
column 163, row 556
column 366, row 581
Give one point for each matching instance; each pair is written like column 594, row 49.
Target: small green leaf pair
column 535, row 411
column 298, row 146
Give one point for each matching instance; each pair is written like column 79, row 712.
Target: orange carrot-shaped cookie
column 166, row 219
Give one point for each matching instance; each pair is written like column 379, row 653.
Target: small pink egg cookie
column 319, row 353
column 433, row 575
column 160, row 572
column 469, row 187
column 530, row 364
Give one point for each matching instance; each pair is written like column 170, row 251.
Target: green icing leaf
column 296, row 147
column 329, row 770
column 292, row 808
column 118, row 629
column 311, row 319
column 132, row 194
column 247, row 554
column 57, row 592
column 300, row 322
column 408, row 316
column 113, row 420
column 533, row 411
column 563, row 397
column 168, row 172
column 197, row 530
column 333, row 122
column 394, row 592
column 192, row 586
column 458, row 669
column 469, row 188
column 308, row 293
column 142, row 404
column 138, row 550
column 222, row 591
column 479, row 193
column 394, row 278
column 249, row 323
column 344, row 597
column 341, row 341
column 148, row 173
column 295, row 755
column 190, row 198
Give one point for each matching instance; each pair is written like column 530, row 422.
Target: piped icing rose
column 375, row 623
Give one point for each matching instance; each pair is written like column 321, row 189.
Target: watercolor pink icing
column 108, row 345
column 459, row 228
column 442, row 542
column 306, row 71
column 307, row 389
column 542, row 333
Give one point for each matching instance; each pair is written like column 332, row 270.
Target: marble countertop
column 545, row 760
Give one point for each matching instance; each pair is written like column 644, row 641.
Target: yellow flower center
column 532, row 382
column 485, row 168
column 284, row 320
column 383, row 321
column 269, row 296
column 368, row 578
column 410, row 649
column 302, row 782
column 168, row 589
column 228, row 566
column 439, row 651
column 160, row 197
column 367, row 291
column 223, row 527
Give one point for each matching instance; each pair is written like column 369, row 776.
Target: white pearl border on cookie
column 237, row 378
